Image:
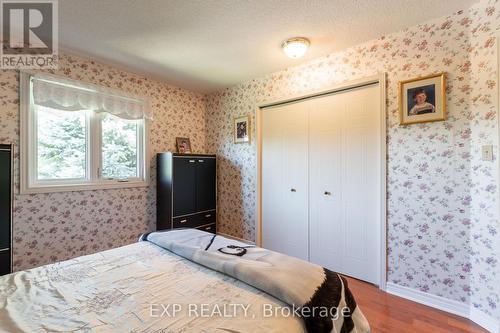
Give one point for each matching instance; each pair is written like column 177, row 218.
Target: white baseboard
column 482, row 319
column 236, row 238
column 434, row 301
column 444, row 304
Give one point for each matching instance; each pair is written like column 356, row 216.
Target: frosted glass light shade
column 295, row 47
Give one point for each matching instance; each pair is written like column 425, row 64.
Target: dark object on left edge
column 5, row 209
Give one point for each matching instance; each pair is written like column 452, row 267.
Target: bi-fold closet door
column 321, row 178
column 285, row 194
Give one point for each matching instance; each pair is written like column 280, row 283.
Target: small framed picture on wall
column 242, row 129
column 183, row 145
column 422, row 99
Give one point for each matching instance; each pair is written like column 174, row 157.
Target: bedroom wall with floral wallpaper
column 56, row 226
column 442, row 198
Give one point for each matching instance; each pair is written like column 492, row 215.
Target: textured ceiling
column 206, row 45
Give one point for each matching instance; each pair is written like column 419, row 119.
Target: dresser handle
column 183, row 221
column 328, row 193
column 208, row 215
column 201, row 161
column 293, row 190
column 192, row 161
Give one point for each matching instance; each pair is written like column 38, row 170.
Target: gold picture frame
column 183, row 145
column 241, row 129
column 428, row 99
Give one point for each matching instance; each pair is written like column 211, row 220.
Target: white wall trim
column 383, row 181
column 434, row 301
column 346, row 85
column 483, row 320
column 444, row 304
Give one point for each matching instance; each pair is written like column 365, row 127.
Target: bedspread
column 136, row 288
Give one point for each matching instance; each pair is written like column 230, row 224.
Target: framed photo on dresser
column 183, row 145
column 422, row 99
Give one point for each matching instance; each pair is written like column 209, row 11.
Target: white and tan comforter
column 129, row 289
column 317, row 295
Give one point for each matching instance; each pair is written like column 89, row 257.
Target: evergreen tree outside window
column 119, row 147
column 61, row 144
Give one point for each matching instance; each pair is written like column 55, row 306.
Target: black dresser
column 186, row 191
column 5, row 209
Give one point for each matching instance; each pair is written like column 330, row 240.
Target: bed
column 141, row 287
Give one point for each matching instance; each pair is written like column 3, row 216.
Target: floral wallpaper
column 56, row 226
column 442, row 198
column 443, row 231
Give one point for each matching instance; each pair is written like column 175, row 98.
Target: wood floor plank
column 387, row 313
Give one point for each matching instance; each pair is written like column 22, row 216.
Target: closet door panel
column 361, row 182
column 326, row 227
column 345, row 163
column 284, row 180
column 354, row 177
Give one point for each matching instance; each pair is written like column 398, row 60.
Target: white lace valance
column 71, row 95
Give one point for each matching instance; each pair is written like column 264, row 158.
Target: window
column 119, row 147
column 61, row 144
column 77, row 136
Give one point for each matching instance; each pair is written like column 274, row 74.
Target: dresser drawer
column 195, row 220
column 4, row 262
column 206, row 217
column 209, row 228
column 190, row 221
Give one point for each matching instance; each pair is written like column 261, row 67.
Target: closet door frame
column 379, row 79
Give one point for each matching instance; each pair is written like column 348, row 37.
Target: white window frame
column 94, row 181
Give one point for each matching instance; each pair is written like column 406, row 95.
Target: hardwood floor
column 387, row 313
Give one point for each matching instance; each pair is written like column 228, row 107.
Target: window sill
column 105, row 185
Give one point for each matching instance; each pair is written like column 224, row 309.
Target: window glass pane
column 61, row 144
column 119, row 147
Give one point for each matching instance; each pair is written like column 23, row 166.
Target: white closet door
column 285, row 180
column 345, row 182
column 326, row 220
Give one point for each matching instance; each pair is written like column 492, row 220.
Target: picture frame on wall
column 242, row 129
column 183, row 145
column 422, row 99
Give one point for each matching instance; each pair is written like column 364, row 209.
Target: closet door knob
column 293, row 190
column 328, row 193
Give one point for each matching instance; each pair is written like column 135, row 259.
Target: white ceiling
column 206, row 45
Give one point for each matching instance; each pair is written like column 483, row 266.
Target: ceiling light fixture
column 295, row 47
